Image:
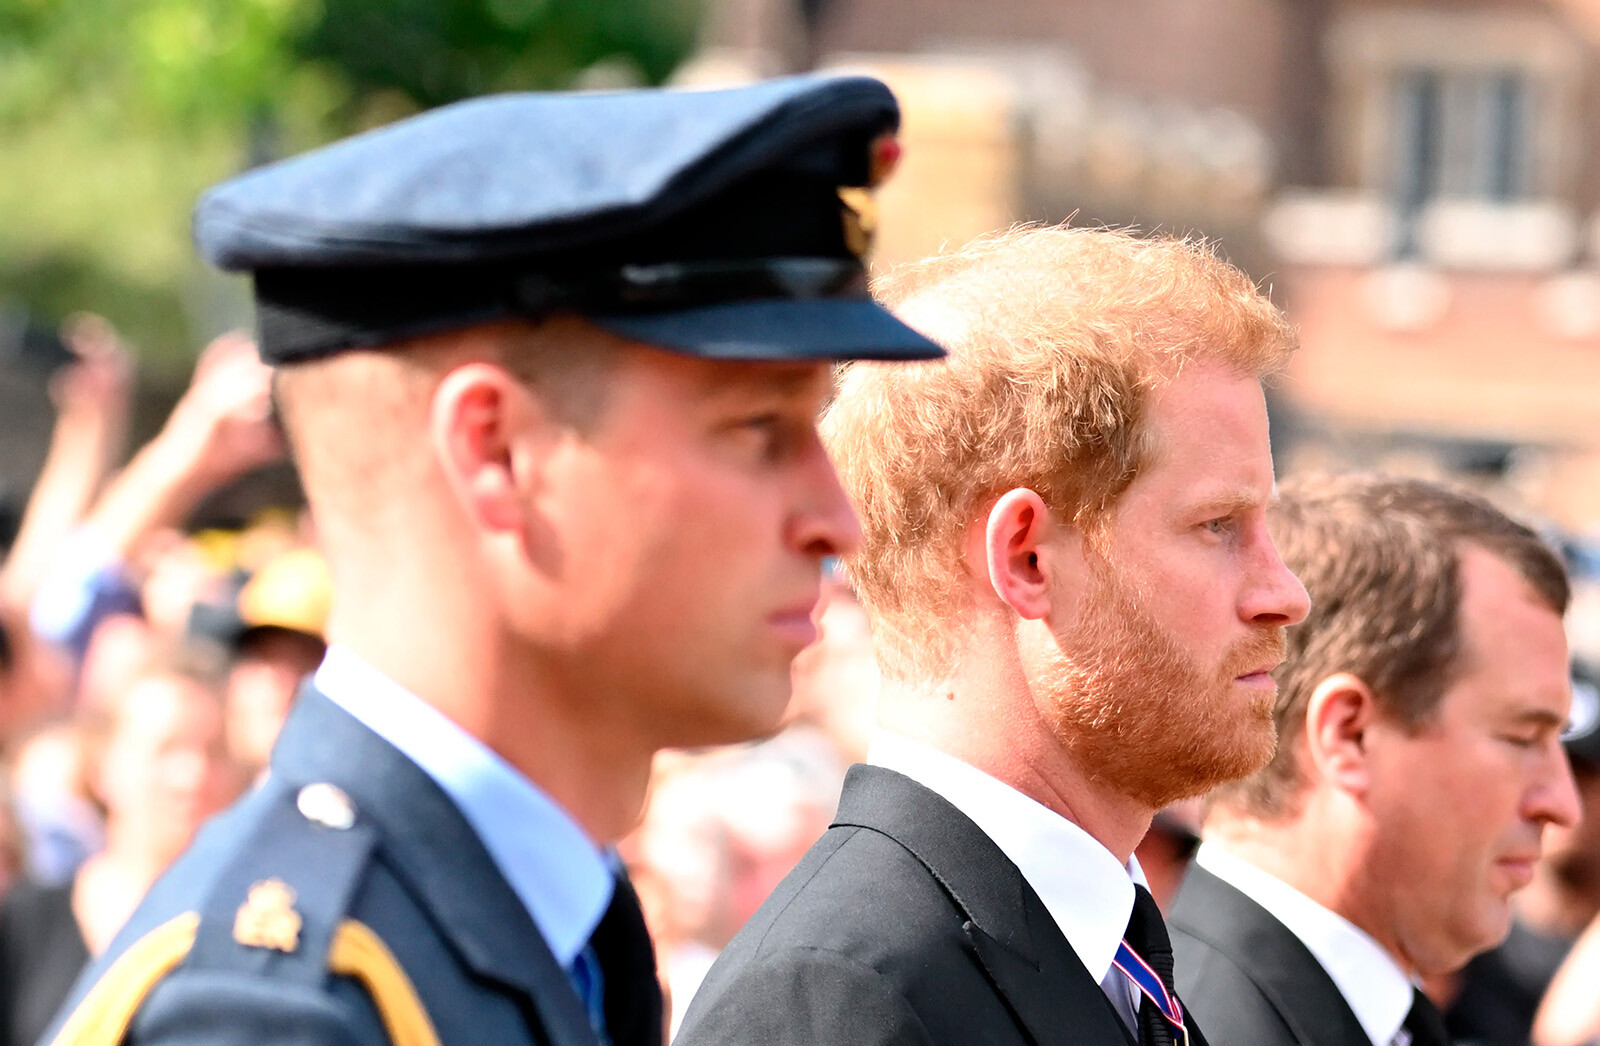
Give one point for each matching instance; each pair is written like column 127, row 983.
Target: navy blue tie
column 615, row 975
column 1146, row 957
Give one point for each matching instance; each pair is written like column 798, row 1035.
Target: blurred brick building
column 1418, row 182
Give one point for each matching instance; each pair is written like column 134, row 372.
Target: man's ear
column 1016, row 552
column 1339, row 716
column 484, row 427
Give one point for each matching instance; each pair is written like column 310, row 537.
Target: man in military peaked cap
column 550, row 367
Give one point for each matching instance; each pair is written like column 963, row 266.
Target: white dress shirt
column 559, row 875
column 1087, row 891
column 1377, row 989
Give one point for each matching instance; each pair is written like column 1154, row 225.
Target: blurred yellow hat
column 291, row 591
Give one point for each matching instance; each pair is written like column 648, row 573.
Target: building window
column 1464, row 135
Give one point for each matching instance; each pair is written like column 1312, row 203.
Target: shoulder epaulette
column 277, row 910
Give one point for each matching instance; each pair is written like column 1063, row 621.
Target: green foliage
column 115, row 114
column 435, row 52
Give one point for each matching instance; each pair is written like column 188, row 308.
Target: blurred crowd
column 146, row 667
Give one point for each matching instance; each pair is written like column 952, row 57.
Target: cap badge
column 267, row 918
column 860, row 220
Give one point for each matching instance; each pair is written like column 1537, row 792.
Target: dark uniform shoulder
column 248, row 937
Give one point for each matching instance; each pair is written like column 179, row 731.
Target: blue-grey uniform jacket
column 346, row 901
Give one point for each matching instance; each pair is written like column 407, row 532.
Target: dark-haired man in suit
column 1419, row 760
column 1077, row 609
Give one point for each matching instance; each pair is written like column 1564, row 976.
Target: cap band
column 305, row 313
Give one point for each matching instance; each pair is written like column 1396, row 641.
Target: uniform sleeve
column 803, row 997
column 224, row 1008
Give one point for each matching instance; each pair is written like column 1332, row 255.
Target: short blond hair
column 1056, row 336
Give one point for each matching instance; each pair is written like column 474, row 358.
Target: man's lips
column 1519, row 868
column 793, row 623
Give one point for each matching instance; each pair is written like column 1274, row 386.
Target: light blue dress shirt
column 561, row 877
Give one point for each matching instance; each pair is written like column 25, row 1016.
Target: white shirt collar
column 561, row 877
column 1377, row 989
column 1088, row 891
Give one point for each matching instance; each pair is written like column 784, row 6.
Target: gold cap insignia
column 860, row 220
column 267, row 918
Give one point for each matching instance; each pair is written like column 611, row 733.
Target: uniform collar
column 1087, row 891
column 1372, row 983
column 562, row 879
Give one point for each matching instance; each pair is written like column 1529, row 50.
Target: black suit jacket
column 905, row 923
column 1249, row 980
column 410, row 868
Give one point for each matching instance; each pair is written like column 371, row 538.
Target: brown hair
column 356, row 420
column 1056, row 337
column 1380, row 558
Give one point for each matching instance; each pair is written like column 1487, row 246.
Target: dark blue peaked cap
column 713, row 223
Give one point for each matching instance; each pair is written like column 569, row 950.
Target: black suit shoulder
column 1222, row 996
column 859, row 919
column 903, row 924
column 1247, row 978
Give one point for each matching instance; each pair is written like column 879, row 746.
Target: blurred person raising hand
column 219, row 430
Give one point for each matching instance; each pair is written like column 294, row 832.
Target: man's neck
column 1324, row 862
column 597, row 772
column 1013, row 745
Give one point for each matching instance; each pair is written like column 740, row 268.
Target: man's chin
column 757, row 712
column 1251, row 750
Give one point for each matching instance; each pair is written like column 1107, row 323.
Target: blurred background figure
column 836, row 678
column 157, row 763
column 60, row 820
column 127, row 555
column 13, row 854
column 275, row 639
column 722, row 828
column 1166, row 850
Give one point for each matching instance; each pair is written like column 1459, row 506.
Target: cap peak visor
column 817, row 329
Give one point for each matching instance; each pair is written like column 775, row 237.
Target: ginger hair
column 1056, row 337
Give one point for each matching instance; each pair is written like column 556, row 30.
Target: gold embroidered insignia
column 860, row 220
column 267, row 918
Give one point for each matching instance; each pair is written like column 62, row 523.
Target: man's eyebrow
column 1225, row 502
column 771, row 380
column 1541, row 717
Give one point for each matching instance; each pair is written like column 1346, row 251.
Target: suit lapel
column 1012, row 933
column 1211, row 911
column 438, row 855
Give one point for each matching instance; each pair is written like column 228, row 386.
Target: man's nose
column 824, row 524
column 1278, row 597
